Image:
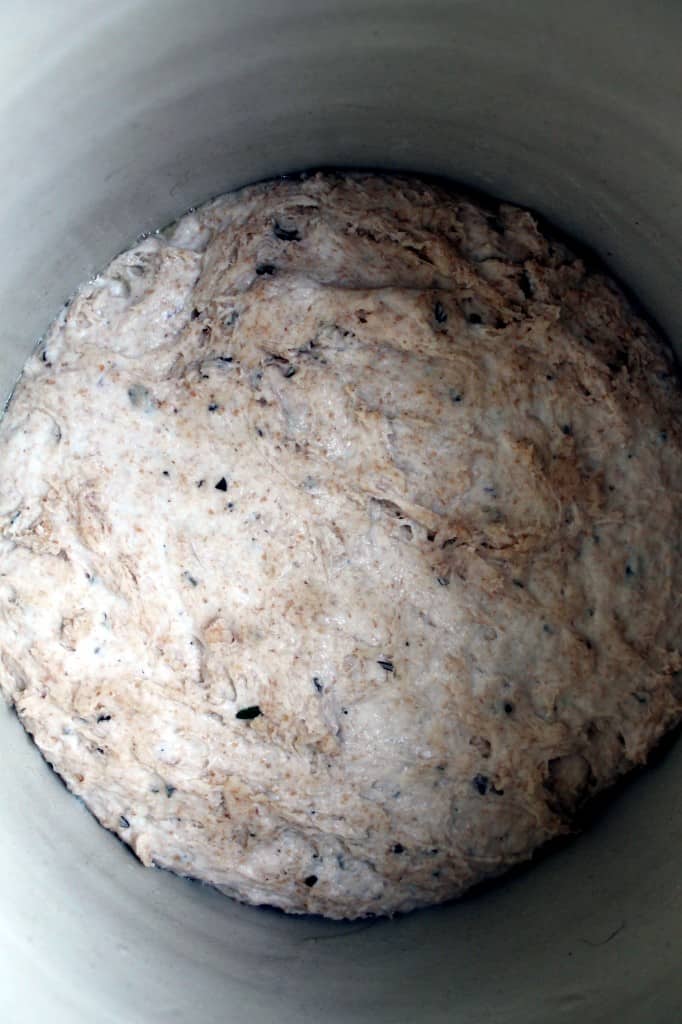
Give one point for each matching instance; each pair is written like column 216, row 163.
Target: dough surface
column 340, row 543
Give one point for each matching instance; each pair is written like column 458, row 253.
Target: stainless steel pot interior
column 113, row 119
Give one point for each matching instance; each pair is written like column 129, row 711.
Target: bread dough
column 340, row 543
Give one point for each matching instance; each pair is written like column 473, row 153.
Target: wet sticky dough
column 340, row 543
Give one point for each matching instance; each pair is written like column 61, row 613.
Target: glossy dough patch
column 340, row 543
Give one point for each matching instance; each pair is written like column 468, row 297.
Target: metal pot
column 114, row 118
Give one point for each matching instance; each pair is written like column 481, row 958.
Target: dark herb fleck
column 170, row 790
column 224, row 359
column 388, row 666
column 525, row 285
column 480, row 784
column 518, row 583
column 200, row 483
column 140, row 396
column 317, row 684
column 663, row 435
column 248, row 713
column 431, row 535
column 221, row 485
column 546, row 628
column 285, row 234
column 213, row 407
column 443, row 581
column 310, row 881
column 566, row 429
column 398, row 848
column 290, row 371
column 629, row 571
column 166, row 472
column 123, row 822
column 549, row 376
column 104, row 718
column 439, row 313
column 495, row 790
column 508, row 708
column 265, row 268
column 455, row 396
column 640, row 697
column 190, row 579
column 495, row 223
column 619, row 360
column 195, row 314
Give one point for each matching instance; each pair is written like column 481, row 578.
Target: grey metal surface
column 113, row 120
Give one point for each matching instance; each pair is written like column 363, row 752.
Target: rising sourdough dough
column 340, row 543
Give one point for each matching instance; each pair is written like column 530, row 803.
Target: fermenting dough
column 340, row 543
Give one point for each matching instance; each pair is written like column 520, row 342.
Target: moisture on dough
column 341, row 542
